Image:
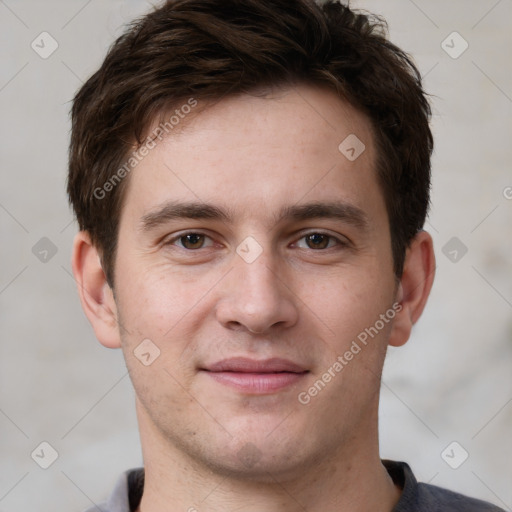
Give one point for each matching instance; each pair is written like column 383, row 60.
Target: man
column 251, row 180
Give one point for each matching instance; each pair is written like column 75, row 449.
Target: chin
column 260, row 457
column 252, row 465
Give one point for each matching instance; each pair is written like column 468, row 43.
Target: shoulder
column 439, row 499
column 126, row 494
column 420, row 497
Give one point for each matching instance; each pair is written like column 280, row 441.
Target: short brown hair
column 207, row 49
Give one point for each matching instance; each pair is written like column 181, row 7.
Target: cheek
column 155, row 298
column 349, row 301
column 155, row 339
column 168, row 307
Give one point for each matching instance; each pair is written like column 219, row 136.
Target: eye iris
column 317, row 239
column 193, row 239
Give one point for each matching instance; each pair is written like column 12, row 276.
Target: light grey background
column 451, row 382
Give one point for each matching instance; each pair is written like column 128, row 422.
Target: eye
column 190, row 240
column 317, row 240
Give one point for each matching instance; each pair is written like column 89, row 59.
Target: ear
column 95, row 294
column 414, row 287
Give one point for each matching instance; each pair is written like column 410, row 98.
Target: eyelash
column 340, row 243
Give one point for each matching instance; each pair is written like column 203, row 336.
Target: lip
column 256, row 376
column 247, row 365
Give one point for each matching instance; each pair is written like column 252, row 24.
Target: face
column 257, row 257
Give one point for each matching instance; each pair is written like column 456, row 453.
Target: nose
column 257, row 297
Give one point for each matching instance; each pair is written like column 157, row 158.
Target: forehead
column 255, row 154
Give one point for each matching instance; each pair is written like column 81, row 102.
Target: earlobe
column 95, row 294
column 414, row 287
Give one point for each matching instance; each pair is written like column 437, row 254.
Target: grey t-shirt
column 416, row 497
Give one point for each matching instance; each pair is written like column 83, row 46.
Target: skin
column 210, row 446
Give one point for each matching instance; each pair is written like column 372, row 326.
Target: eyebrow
column 172, row 210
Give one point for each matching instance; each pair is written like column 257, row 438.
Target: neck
column 354, row 480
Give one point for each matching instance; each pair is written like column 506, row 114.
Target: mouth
column 256, row 377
